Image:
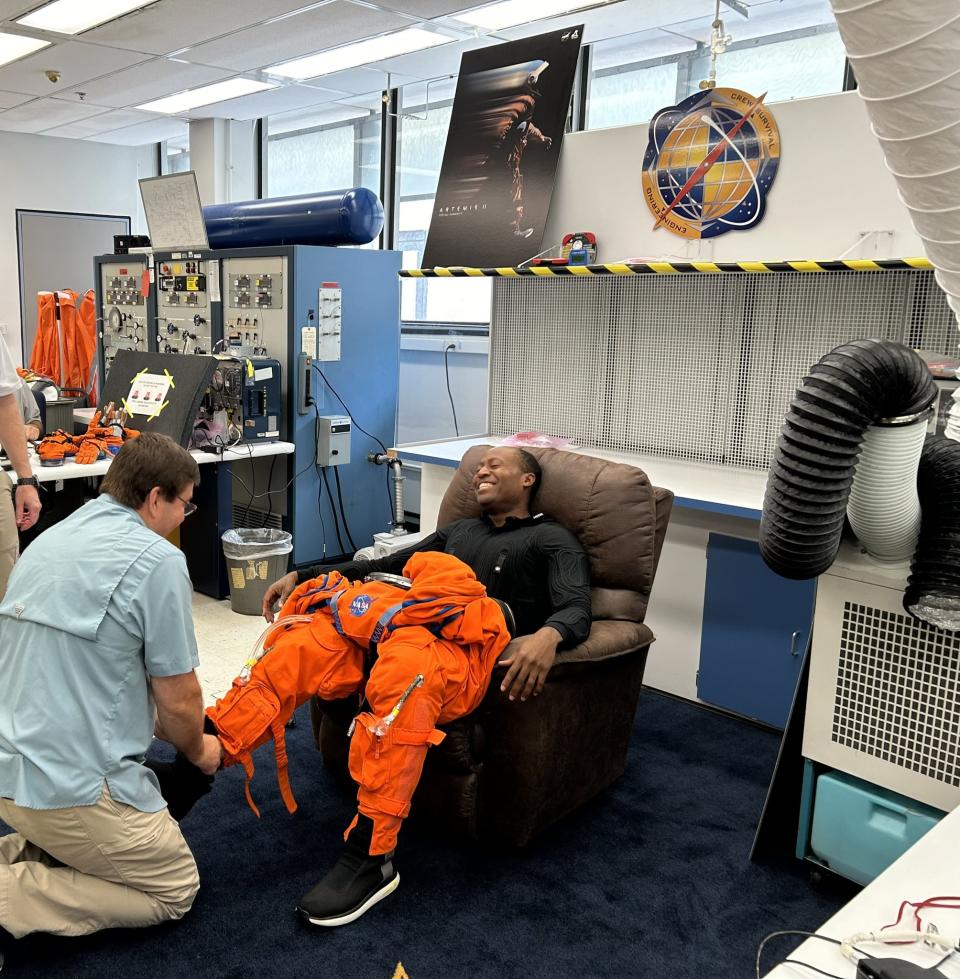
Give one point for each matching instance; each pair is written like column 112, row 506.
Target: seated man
column 96, row 628
column 530, row 562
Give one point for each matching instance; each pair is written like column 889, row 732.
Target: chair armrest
column 608, row 639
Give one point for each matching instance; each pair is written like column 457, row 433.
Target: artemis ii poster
column 503, row 145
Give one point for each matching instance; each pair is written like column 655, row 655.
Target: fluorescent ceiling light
column 361, row 53
column 509, row 13
column 233, row 88
column 75, row 16
column 13, row 46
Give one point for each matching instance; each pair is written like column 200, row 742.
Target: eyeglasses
column 188, row 506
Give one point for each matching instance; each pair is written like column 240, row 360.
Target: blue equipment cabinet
column 271, row 299
column 751, row 671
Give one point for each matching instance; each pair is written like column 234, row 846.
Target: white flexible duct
column 883, row 508
column 906, row 56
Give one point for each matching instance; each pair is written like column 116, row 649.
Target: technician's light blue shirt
column 94, row 605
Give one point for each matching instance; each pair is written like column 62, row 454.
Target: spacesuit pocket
column 244, row 715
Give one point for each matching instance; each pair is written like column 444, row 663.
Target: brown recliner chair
column 509, row 770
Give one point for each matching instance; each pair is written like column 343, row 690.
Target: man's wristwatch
column 28, row 481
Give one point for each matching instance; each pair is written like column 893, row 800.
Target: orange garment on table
column 443, row 628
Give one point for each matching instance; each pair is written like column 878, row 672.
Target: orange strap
column 283, row 765
column 246, row 759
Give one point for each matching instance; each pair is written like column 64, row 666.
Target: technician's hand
column 208, row 761
column 530, row 662
column 548, row 141
column 279, row 591
column 26, row 506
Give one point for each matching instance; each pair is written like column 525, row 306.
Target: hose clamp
column 898, row 420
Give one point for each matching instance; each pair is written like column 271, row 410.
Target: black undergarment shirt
column 533, row 563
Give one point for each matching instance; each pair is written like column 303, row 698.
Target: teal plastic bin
column 859, row 829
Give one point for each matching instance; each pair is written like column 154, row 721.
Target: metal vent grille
column 699, row 367
column 898, row 692
column 244, row 516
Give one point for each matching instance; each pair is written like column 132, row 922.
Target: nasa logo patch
column 360, row 605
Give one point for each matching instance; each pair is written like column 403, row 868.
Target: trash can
column 256, row 557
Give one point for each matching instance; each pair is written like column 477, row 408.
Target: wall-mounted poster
column 500, row 160
column 710, row 163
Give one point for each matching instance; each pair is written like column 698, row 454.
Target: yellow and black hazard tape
column 674, row 268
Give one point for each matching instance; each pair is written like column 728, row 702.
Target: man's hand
column 26, row 505
column 208, row 758
column 530, row 662
column 279, row 591
column 32, row 431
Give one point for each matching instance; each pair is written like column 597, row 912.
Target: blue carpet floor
column 650, row 880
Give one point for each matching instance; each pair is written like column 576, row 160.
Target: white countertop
column 722, row 489
column 73, row 470
column 928, row 868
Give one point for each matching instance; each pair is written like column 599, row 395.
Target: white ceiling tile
column 14, row 8
column 9, row 99
column 137, row 85
column 76, row 62
column 429, row 8
column 268, row 103
column 44, row 114
column 144, row 132
column 174, row 24
column 438, row 61
column 105, row 123
column 314, row 30
column 360, row 81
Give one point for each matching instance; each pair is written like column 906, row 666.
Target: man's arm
column 393, row 563
column 14, row 441
column 179, row 702
column 30, row 410
column 568, row 577
column 162, row 612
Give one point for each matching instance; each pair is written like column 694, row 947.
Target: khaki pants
column 9, row 541
column 75, row 871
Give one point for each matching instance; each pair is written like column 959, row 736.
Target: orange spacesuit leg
column 307, row 659
column 387, row 766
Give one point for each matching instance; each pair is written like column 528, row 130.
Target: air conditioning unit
column 883, row 700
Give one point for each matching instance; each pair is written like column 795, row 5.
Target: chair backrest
column 618, row 517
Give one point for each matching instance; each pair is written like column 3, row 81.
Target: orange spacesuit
column 421, row 656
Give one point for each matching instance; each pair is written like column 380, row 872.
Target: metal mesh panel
column 244, row 516
column 897, row 694
column 699, row 367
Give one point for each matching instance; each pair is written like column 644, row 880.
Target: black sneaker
column 354, row 885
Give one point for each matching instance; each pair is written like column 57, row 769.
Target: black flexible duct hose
column 845, row 392
column 933, row 588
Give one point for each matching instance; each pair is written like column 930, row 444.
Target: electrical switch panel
column 330, row 303
column 123, row 318
column 184, row 316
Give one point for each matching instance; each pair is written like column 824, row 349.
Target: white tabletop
column 722, row 489
column 930, row 867
column 73, row 470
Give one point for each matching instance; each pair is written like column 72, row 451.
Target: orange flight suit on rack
column 443, row 628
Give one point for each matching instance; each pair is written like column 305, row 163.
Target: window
column 333, row 147
column 632, row 77
column 175, row 155
column 421, row 136
column 786, row 50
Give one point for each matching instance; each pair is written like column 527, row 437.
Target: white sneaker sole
column 346, row 919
